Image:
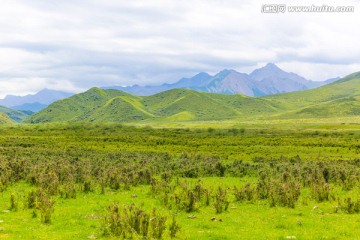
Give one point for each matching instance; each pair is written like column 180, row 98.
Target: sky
column 73, row 45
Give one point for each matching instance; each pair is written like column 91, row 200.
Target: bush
column 46, row 206
column 131, row 221
column 221, row 202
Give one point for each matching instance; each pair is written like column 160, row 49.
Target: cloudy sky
column 73, row 45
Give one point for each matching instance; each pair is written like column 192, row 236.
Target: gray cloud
column 74, row 45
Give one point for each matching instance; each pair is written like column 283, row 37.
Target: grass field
column 259, row 180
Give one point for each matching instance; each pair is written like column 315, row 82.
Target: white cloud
column 77, row 44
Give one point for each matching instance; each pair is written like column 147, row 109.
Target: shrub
column 174, row 228
column 131, row 221
column 221, row 202
column 46, row 206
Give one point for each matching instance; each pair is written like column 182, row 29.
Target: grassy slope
column 4, row 119
column 14, row 115
column 174, row 105
column 338, row 99
column 93, row 105
column 188, row 103
column 346, row 87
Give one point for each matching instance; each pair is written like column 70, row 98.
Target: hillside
column 97, row 105
column 340, row 98
column 345, row 87
column 4, row 119
column 180, row 103
column 14, row 115
column 92, row 105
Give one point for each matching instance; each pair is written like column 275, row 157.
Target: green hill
column 14, row 115
column 93, row 105
column 96, row 105
column 343, row 88
column 341, row 98
column 4, row 119
column 188, row 102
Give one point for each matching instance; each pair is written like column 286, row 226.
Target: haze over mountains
column 340, row 98
column 34, row 102
column 269, row 79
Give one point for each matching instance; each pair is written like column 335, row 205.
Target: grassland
column 278, row 179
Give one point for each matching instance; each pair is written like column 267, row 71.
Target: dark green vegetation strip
column 74, row 181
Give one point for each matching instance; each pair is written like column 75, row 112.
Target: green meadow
column 260, row 179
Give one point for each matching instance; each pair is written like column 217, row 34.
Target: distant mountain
column 271, row 71
column 331, row 80
column 340, row 98
column 35, row 101
column 269, row 79
column 14, row 115
column 187, row 83
column 230, row 82
column 199, row 79
column 33, row 107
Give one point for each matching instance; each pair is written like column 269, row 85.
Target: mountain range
column 269, row 79
column 340, row 98
column 33, row 102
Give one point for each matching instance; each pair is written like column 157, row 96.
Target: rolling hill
column 14, row 115
column 93, row 105
column 4, row 119
column 340, row 98
column 97, row 105
column 349, row 106
column 343, row 88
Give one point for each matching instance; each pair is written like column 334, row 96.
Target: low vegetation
column 109, row 181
